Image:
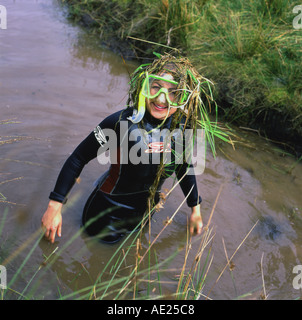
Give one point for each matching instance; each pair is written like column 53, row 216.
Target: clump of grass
column 253, row 54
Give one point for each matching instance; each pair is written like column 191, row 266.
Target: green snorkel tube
column 139, row 113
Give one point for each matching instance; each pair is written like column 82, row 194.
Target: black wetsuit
column 125, row 186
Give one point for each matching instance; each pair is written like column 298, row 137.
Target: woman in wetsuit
column 164, row 96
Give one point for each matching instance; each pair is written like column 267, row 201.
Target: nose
column 162, row 98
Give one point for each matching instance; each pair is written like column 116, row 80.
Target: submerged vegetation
column 250, row 49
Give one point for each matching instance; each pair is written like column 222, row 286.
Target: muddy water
column 56, row 84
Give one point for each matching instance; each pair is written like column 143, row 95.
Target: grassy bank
column 250, row 49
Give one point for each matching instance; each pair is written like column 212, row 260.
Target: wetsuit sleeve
column 187, row 182
column 86, row 151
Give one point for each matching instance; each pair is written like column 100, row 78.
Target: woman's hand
column 52, row 220
column 196, row 221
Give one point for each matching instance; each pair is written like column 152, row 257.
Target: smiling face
column 158, row 107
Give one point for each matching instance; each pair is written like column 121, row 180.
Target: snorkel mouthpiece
column 138, row 114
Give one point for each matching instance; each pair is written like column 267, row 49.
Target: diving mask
column 154, row 85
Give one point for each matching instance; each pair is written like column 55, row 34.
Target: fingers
column 191, row 229
column 199, row 228
column 50, row 233
column 196, row 227
column 52, row 220
column 196, row 230
column 51, row 224
column 59, row 230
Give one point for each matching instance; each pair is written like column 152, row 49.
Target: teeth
column 157, row 106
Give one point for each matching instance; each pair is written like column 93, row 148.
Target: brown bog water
column 57, row 83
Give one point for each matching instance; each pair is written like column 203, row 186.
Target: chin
column 159, row 115
column 157, row 112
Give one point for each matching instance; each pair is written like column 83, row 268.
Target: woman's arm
column 188, row 185
column 52, row 218
column 73, row 166
column 85, row 152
